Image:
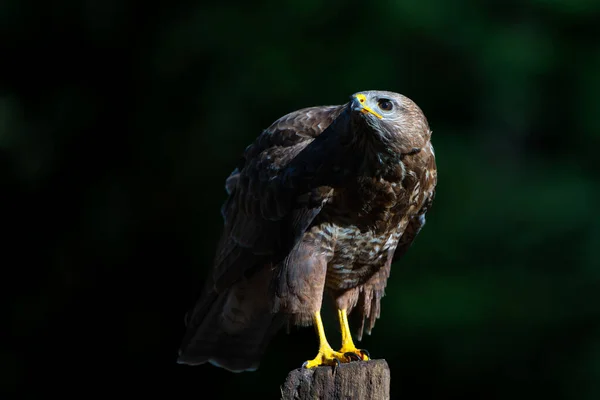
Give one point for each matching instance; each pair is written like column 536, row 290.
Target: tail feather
column 228, row 332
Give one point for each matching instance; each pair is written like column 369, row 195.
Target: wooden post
column 365, row 380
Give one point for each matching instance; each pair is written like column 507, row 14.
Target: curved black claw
column 337, row 363
column 366, row 353
column 304, row 364
column 352, row 356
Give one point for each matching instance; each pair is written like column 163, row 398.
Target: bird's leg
column 348, row 349
column 326, row 356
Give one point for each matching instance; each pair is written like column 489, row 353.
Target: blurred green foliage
column 120, row 120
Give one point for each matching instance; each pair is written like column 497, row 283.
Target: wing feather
column 428, row 181
column 272, row 194
column 368, row 307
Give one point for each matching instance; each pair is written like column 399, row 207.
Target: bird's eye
column 385, row 104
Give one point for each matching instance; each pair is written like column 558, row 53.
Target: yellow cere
column 366, row 109
column 361, row 97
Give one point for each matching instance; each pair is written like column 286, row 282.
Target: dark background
column 120, row 120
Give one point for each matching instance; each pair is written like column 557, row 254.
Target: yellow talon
column 328, row 356
column 347, row 343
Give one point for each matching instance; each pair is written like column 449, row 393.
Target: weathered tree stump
column 365, row 380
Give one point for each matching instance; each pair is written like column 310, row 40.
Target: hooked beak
column 359, row 103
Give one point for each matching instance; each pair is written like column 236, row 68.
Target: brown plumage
column 323, row 201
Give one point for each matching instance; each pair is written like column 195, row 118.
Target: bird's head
column 389, row 120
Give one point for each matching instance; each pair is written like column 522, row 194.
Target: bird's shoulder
column 277, row 145
column 298, row 127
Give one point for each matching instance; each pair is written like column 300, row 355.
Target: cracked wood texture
column 356, row 380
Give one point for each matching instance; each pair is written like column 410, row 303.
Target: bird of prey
column 322, row 203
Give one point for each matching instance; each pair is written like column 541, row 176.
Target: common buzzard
column 323, row 201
